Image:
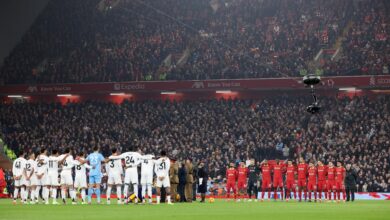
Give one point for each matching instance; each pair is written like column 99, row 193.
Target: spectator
column 286, row 152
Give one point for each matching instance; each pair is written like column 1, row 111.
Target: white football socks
column 108, row 193
column 119, row 192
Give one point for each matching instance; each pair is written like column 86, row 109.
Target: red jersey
column 231, row 175
column 290, row 173
column 278, row 170
column 266, row 172
column 331, row 173
column 302, row 171
column 340, row 173
column 242, row 173
column 321, row 171
column 312, row 171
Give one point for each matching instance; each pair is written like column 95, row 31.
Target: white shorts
column 165, row 183
column 66, row 177
column 146, row 178
column 33, row 181
column 19, row 182
column 131, row 176
column 23, row 181
column 43, row 181
column 52, row 179
column 114, row 179
column 80, row 182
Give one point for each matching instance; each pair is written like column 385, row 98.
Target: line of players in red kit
column 286, row 178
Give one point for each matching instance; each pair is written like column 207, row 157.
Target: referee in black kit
column 350, row 183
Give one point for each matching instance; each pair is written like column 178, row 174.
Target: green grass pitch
column 219, row 210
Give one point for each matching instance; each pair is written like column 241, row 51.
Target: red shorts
column 302, row 183
column 340, row 186
column 266, row 184
column 331, row 185
column 311, row 186
column 241, row 184
column 278, row 183
column 290, row 184
column 321, row 185
column 230, row 185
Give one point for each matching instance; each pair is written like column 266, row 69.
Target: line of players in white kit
column 41, row 172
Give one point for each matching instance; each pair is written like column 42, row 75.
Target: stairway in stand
column 339, row 40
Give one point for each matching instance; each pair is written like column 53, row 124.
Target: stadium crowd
column 215, row 132
column 204, row 39
column 366, row 46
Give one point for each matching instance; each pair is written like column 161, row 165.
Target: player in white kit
column 132, row 160
column 80, row 181
column 114, row 170
column 66, row 176
column 147, row 166
column 42, row 182
column 18, row 170
column 52, row 174
column 31, row 178
column 161, row 168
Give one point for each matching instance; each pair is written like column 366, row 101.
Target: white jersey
column 81, row 170
column 161, row 167
column 67, row 164
column 18, row 166
column 132, row 159
column 42, row 164
column 31, row 167
column 53, row 165
column 147, row 165
column 114, row 166
column 80, row 180
column 114, row 171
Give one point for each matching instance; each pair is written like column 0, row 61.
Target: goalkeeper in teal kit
column 95, row 160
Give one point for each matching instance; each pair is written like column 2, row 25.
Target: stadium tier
column 216, row 132
column 103, row 41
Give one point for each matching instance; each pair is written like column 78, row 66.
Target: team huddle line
column 310, row 179
column 41, row 172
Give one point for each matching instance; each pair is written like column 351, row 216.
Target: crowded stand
column 366, row 46
column 215, row 132
column 205, row 39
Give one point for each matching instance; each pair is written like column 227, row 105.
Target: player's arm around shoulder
column 116, row 157
column 88, row 166
column 62, row 158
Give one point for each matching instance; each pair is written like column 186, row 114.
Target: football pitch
column 220, row 209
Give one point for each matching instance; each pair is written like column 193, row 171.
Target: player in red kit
column 302, row 174
column 242, row 180
column 266, row 179
column 312, row 181
column 321, row 184
column 290, row 179
column 340, row 176
column 231, row 177
column 278, row 179
column 331, row 185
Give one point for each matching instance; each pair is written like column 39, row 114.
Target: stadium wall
column 358, row 195
column 194, row 90
column 179, row 96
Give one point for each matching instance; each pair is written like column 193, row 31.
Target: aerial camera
column 312, row 80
